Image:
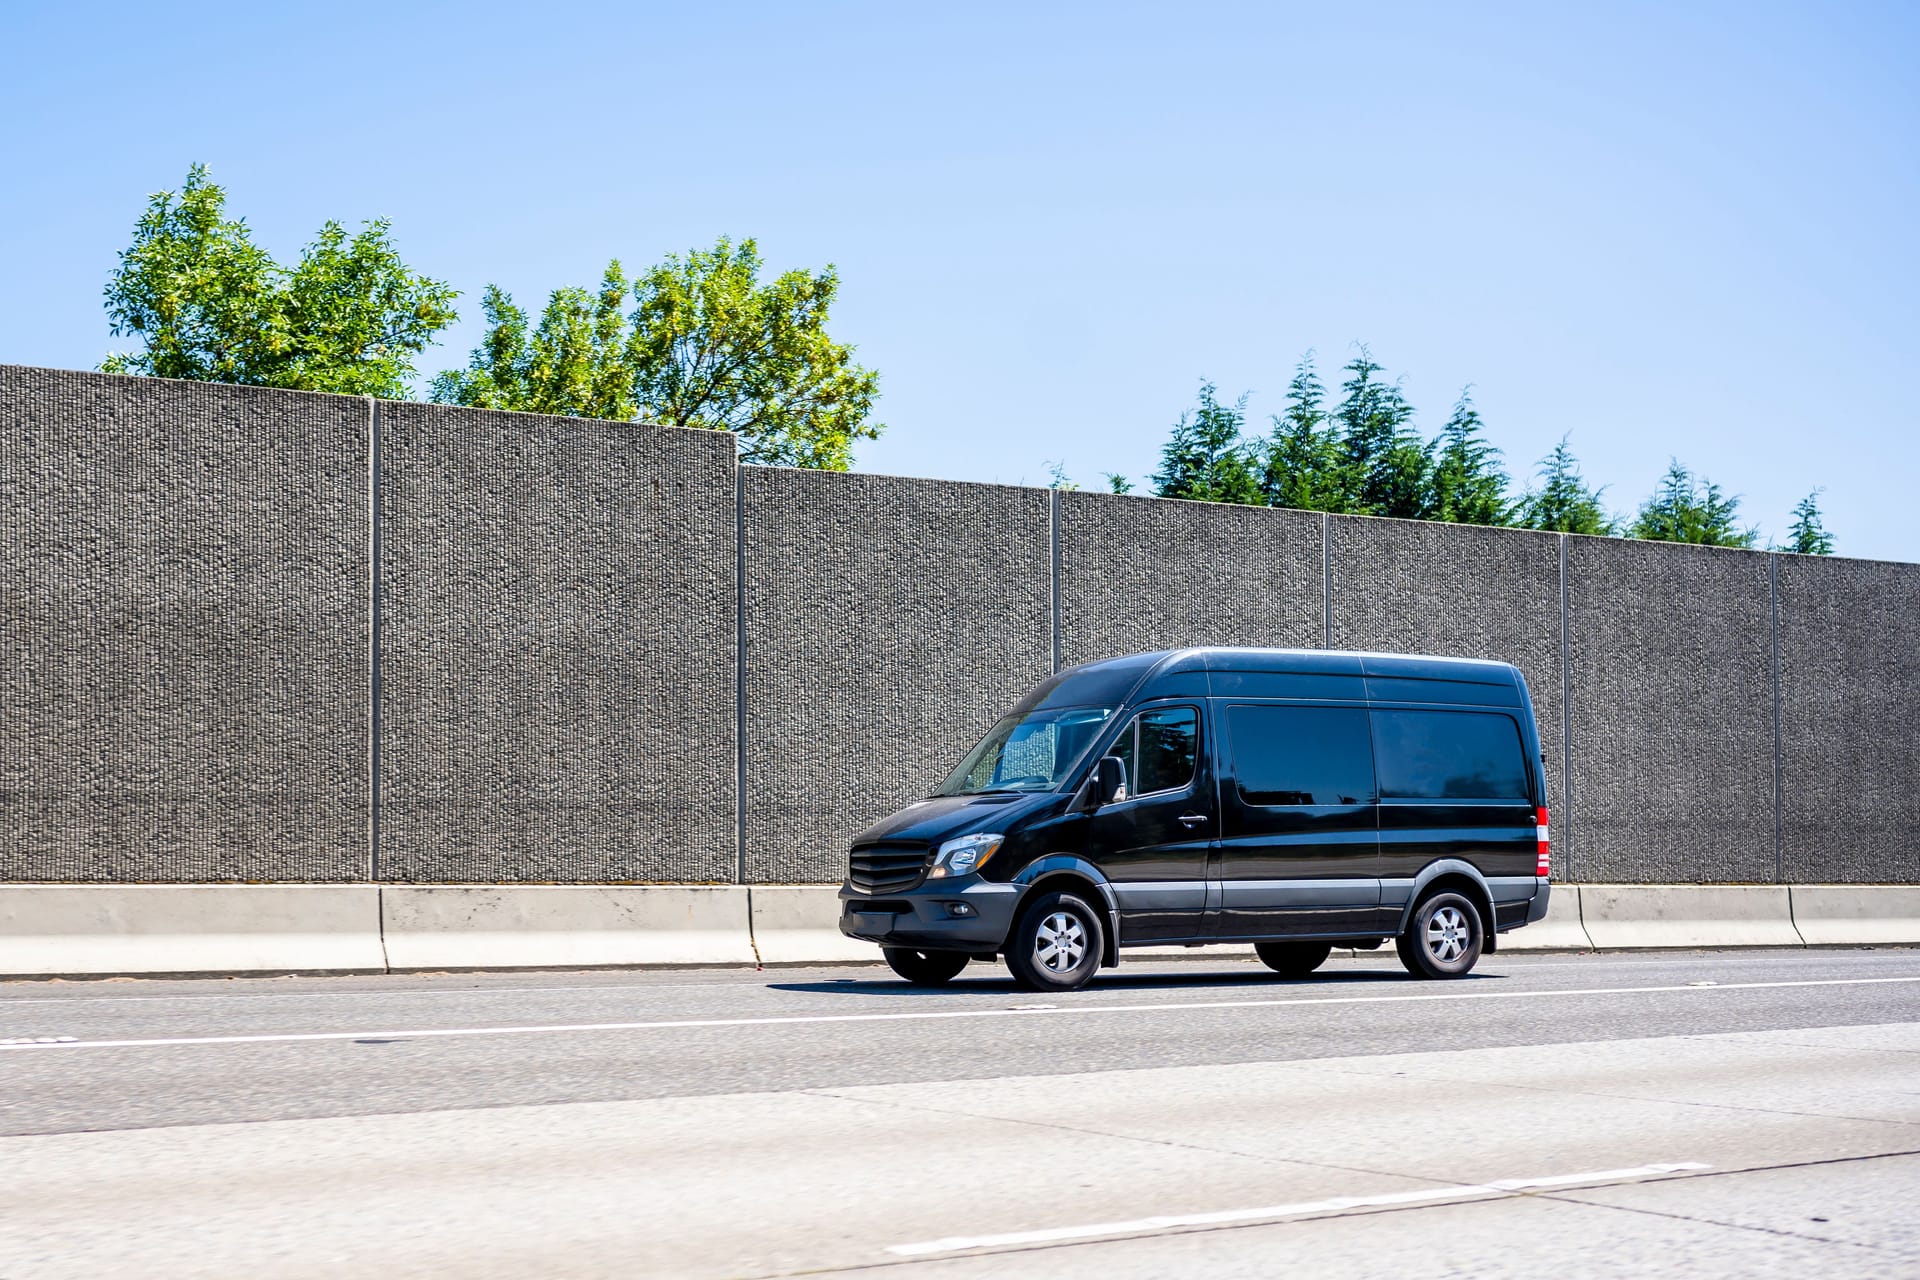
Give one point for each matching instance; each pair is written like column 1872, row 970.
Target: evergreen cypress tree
column 1683, row 510
column 1808, row 534
column 1468, row 485
column 1383, row 464
column 1302, row 459
column 1563, row 503
column 1205, row 459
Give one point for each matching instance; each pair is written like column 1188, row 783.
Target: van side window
column 1300, row 755
column 1449, row 755
column 1159, row 749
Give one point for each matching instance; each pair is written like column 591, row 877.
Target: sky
column 1668, row 230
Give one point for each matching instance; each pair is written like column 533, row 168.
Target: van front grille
column 887, row 868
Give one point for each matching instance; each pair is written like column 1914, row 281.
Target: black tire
column 1293, row 959
column 925, row 968
column 1057, row 944
column 1443, row 937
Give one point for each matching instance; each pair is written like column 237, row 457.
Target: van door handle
column 1192, row 819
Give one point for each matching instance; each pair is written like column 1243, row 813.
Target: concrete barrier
column 1844, row 915
column 91, row 930
column 1561, row 930
column 800, row 924
column 1670, row 915
column 564, row 926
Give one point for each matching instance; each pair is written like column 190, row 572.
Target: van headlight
column 965, row 855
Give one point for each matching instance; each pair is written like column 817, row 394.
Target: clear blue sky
column 1667, row 230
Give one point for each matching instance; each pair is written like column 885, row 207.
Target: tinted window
column 1168, row 739
column 1449, row 755
column 1158, row 749
column 1301, row 755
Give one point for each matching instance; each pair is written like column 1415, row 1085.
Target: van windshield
column 1028, row 751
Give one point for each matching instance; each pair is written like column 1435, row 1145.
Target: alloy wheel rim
column 1060, row 943
column 1447, row 934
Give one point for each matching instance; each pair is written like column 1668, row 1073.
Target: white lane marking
column 1162, row 1222
column 1057, row 1011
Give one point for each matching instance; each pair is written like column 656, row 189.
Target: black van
column 1295, row 799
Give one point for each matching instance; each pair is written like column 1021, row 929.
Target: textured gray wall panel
column 183, row 631
column 1151, row 573
column 1406, row 586
column 1672, row 712
column 889, row 623
column 1850, row 719
column 557, row 649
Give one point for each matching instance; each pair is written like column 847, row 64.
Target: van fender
column 1055, row 863
column 1433, row 871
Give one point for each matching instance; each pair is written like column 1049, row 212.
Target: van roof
column 1314, row 661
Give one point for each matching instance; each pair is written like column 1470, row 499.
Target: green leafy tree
column 707, row 344
column 575, row 363
column 1808, row 534
column 1059, row 479
column 1205, row 459
column 1467, row 483
column 1117, row 483
column 1384, row 464
column 1303, row 463
column 210, row 305
column 1564, row 503
column 1684, row 509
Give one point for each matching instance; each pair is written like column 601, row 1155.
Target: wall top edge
column 142, row 381
column 563, row 421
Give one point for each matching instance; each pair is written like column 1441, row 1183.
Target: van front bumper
column 965, row 914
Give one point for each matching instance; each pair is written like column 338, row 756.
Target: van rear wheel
column 1057, row 944
column 1293, row 959
column 1443, row 939
column 925, row 968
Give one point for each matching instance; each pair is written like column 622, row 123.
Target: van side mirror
column 1109, row 781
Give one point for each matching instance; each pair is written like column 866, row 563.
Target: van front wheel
column 1443, row 939
column 925, row 968
column 1057, row 945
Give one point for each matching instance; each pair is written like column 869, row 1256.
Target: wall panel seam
column 1053, row 555
column 739, row 675
column 1566, row 716
column 1779, row 771
column 375, row 601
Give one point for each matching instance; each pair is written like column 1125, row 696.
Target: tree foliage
column 1204, row 459
column 1684, row 509
column 1302, row 467
column 1808, row 533
column 1564, row 502
column 705, row 345
column 210, row 305
column 1467, row 484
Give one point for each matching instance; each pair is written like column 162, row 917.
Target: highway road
column 1711, row 1114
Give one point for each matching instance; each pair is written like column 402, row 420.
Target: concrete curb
column 80, row 930
column 1561, row 930
column 1834, row 915
column 800, row 924
column 95, row 930
column 564, row 926
column 1663, row 915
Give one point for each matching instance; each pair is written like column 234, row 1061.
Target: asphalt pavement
column 1729, row 1113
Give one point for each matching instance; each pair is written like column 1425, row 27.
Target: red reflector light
column 1544, row 865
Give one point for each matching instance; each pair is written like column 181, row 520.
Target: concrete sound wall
column 608, row 654
column 888, row 624
column 1849, row 719
column 556, row 649
column 183, row 631
column 1670, row 651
